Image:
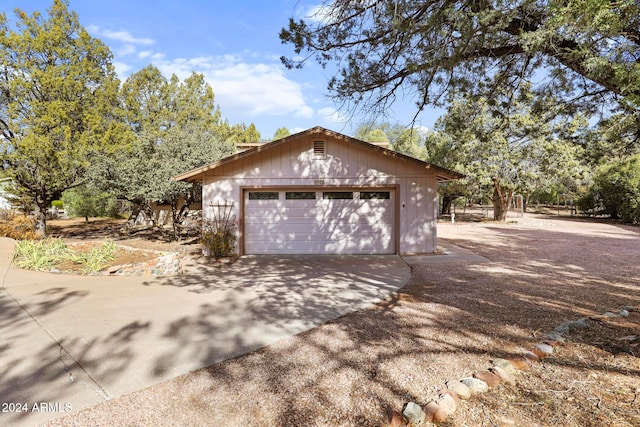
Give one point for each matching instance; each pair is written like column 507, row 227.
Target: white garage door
column 323, row 222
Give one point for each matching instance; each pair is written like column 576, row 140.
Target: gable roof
column 196, row 174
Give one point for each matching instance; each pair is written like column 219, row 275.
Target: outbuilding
column 321, row 192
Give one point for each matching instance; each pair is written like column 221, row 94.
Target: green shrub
column 616, row 191
column 47, row 253
column 219, row 233
column 40, row 254
column 219, row 238
column 97, row 258
column 83, row 202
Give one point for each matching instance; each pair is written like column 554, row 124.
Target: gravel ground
column 447, row 323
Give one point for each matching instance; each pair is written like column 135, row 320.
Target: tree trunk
column 40, row 218
column 174, row 219
column 138, row 208
column 447, row 201
column 501, row 201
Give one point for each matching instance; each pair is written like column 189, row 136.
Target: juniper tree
column 58, row 97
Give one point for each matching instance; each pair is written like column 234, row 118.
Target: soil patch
column 74, row 230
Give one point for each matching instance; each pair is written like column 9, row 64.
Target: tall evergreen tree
column 58, row 93
column 177, row 127
column 508, row 147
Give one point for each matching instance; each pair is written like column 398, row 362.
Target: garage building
column 321, row 192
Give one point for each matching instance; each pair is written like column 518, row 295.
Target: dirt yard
column 446, row 324
column 76, row 229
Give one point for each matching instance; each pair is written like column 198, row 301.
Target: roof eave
column 197, row 174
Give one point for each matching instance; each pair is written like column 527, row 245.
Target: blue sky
column 235, row 44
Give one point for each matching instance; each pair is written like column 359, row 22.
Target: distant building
column 5, row 183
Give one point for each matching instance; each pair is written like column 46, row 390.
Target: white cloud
column 248, row 84
column 121, row 68
column 125, row 50
column 128, row 43
column 122, row 36
column 254, row 88
column 332, row 116
column 320, row 13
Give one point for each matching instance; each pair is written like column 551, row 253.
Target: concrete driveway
column 69, row 342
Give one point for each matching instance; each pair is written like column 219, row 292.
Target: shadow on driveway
column 78, row 340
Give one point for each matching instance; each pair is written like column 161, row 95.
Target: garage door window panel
column 337, row 195
column 375, row 195
column 300, row 195
column 264, row 195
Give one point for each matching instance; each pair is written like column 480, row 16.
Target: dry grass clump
column 18, row 227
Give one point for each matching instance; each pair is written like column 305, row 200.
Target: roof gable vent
column 318, row 149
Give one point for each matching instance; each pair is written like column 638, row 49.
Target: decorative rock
column 562, row 329
column 520, row 363
column 396, row 419
column 431, row 410
column 542, row 350
column 492, row 380
column 447, row 404
column 413, row 413
column 453, row 395
column 624, row 313
column 475, row 385
column 579, row 324
column 555, row 336
column 460, row 389
column 605, row 315
column 531, row 356
column 503, row 374
column 504, row 364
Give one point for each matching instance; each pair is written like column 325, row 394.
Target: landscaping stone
column 475, row 385
column 459, row 388
column 492, row 380
column 503, row 374
column 624, row 313
column 543, row 350
column 453, row 395
column 531, row 356
column 505, row 365
column 413, row 413
column 520, row 363
column 578, row 324
column 562, row 329
column 447, row 404
column 167, row 264
column 431, row 410
column 555, row 336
